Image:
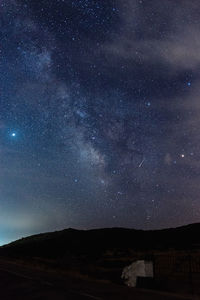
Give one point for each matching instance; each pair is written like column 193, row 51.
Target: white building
column 139, row 268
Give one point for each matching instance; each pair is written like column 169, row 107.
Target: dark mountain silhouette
column 95, row 242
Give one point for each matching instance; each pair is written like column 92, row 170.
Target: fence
column 178, row 271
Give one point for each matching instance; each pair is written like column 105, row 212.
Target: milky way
column 99, row 114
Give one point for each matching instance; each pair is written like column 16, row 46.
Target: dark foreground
column 23, row 282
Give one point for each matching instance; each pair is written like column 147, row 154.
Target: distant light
column 13, row 134
column 182, row 155
column 189, row 83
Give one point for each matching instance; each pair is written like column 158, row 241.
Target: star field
column 99, row 114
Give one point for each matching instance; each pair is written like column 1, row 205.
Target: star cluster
column 99, row 114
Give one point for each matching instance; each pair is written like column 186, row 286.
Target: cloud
column 180, row 50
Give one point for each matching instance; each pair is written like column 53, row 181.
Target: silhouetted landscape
column 102, row 254
column 96, row 242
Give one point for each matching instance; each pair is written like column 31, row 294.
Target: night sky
column 99, row 114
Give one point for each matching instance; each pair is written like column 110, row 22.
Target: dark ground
column 22, row 282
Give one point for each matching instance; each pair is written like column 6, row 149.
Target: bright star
column 13, row 134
